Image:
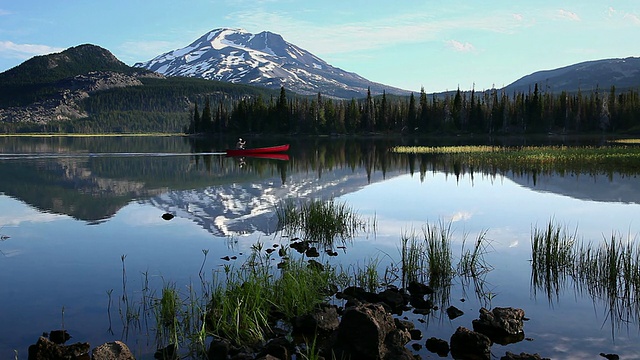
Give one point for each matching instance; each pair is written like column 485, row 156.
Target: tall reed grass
column 320, row 221
column 608, row 271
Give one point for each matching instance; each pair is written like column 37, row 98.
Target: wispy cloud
column 632, row 18
column 568, row 15
column 9, row 49
column 4, row 12
column 460, row 46
column 373, row 34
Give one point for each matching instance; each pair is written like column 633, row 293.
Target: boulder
column 470, row 345
column 438, row 346
column 324, row 319
column 45, row 349
column 218, row 349
column 115, row 350
column 501, row 325
column 368, row 332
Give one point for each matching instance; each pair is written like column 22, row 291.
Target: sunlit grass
column 562, row 159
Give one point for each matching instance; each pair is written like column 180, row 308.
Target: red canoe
column 262, row 150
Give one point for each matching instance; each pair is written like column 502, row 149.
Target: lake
column 81, row 225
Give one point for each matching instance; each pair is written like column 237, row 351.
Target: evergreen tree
column 207, row 120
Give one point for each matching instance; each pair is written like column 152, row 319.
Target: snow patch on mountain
column 264, row 59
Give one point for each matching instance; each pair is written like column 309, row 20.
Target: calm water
column 72, row 208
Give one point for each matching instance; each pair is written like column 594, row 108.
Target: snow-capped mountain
column 263, row 59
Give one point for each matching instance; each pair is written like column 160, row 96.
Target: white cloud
column 632, row 18
column 460, row 47
column 564, row 14
column 461, row 216
column 9, row 49
column 611, row 12
column 518, row 17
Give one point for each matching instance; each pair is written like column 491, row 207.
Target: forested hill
column 87, row 89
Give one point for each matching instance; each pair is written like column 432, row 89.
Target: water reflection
column 47, row 201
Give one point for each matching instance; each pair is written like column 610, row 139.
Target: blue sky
column 407, row 43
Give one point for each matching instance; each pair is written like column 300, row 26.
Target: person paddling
column 240, row 144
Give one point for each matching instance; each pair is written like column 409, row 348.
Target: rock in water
column 167, row 216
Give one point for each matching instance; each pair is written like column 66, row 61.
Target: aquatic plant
column 319, row 221
column 608, row 271
column 472, row 262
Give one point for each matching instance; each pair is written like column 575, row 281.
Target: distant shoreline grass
column 560, row 158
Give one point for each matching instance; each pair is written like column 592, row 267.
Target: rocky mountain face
column 263, row 59
column 586, row 76
column 48, row 88
column 63, row 103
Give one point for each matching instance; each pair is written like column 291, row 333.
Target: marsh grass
column 472, row 262
column 560, row 159
column 608, row 271
column 242, row 302
column 320, row 221
column 552, row 257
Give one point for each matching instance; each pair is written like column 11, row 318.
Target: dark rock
column 45, row 349
column 312, row 252
column 116, row 350
column 453, row 312
column 299, row 246
column 415, row 334
column 438, row 346
column 358, row 293
column 394, row 299
column 418, row 289
column 278, row 348
column 610, row 356
column 168, row 216
column 218, row 349
column 59, row 336
column 419, row 302
column 368, row 332
column 404, row 324
column 324, row 320
column 470, row 345
column 312, row 264
column 523, row 356
column 416, row 346
column 501, row 325
column 170, row 352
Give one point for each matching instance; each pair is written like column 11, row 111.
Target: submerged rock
column 438, row 346
column 470, row 345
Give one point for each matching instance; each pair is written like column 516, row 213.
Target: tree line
column 491, row 112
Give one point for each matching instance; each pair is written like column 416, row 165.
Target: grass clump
column 608, row 271
column 318, row 221
column 243, row 302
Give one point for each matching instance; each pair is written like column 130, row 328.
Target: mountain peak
column 264, row 59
